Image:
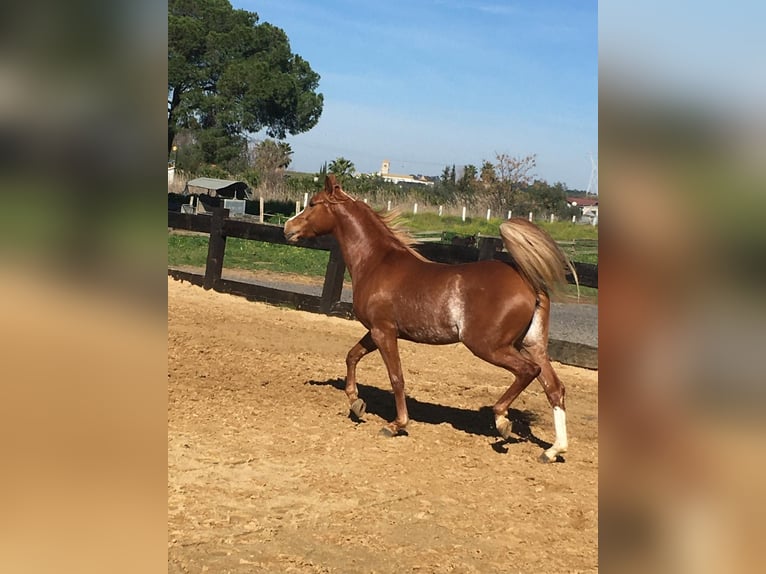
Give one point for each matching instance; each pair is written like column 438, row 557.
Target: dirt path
column 266, row 472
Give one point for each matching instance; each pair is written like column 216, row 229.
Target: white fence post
column 297, row 207
column 415, row 209
column 464, row 213
column 260, row 216
column 305, row 200
column 510, row 213
column 489, row 212
column 440, row 211
column 553, row 218
column 574, row 219
column 389, row 205
column 530, row 216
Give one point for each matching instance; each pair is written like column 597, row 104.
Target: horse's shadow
column 482, row 422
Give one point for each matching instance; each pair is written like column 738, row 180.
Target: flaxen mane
column 395, row 225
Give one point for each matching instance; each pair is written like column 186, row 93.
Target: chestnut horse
column 500, row 312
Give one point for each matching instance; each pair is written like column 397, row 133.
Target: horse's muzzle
column 291, row 235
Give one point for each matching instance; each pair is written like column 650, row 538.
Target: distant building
column 213, row 187
column 399, row 178
column 588, row 208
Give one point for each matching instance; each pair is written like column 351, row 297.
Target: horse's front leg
column 386, row 340
column 364, row 346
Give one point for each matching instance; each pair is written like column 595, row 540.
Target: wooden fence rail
column 219, row 226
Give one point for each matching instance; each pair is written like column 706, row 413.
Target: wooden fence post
column 216, row 247
column 333, row 281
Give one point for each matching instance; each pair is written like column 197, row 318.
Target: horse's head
column 318, row 218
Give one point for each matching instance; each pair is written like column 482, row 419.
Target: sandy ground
column 267, row 472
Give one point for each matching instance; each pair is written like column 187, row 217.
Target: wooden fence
column 219, row 226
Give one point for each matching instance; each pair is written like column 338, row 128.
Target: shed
column 588, row 208
column 218, row 188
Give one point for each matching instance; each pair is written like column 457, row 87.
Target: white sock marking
column 560, row 424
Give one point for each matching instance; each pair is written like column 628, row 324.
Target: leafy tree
column 298, row 185
column 467, row 184
column 510, row 175
column 366, row 185
column 445, row 177
column 545, row 198
column 445, row 189
column 229, row 75
column 271, row 154
column 269, row 160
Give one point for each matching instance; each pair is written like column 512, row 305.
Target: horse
column 499, row 311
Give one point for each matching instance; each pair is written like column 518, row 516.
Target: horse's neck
column 363, row 240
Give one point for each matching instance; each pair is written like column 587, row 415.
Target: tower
column 384, row 167
column 593, row 183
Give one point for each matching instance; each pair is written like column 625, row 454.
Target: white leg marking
column 560, row 445
column 560, row 424
column 503, row 425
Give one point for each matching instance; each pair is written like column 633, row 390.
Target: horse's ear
column 329, row 183
column 334, row 189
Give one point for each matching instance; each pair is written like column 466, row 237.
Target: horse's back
column 437, row 303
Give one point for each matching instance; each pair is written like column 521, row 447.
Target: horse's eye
column 311, row 204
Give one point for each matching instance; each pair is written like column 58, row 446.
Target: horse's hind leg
column 536, row 345
column 364, row 346
column 517, row 363
column 525, row 371
column 555, row 391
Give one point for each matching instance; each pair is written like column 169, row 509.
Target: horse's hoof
column 387, row 432
column 358, row 408
column 544, row 459
column 504, row 429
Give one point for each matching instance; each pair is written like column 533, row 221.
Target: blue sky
column 427, row 83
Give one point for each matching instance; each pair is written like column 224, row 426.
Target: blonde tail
column 538, row 258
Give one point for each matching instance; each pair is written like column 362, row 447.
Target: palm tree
column 341, row 167
column 269, row 159
column 286, row 152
